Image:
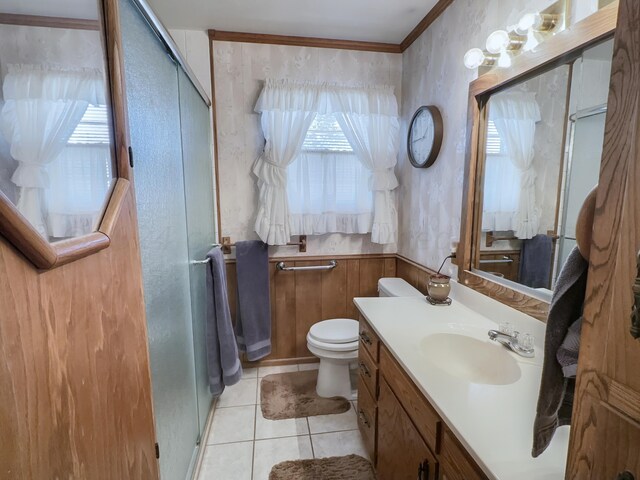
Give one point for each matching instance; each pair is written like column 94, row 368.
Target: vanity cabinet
column 404, row 435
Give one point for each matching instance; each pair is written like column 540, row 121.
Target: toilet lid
column 338, row 330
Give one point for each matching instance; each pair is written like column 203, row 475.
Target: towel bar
column 501, row 260
column 282, row 267
column 200, row 262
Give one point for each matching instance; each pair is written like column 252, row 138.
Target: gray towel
column 223, row 362
column 555, row 398
column 568, row 352
column 535, row 262
column 253, row 322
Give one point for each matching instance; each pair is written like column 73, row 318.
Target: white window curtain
column 287, row 110
column 42, row 107
column 329, row 192
column 501, row 185
column 80, row 180
column 515, row 115
column 368, row 117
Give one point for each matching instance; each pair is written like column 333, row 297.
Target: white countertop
column 493, row 422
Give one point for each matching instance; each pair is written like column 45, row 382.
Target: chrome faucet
column 520, row 344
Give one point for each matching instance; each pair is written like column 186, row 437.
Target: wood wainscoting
column 300, row 299
column 413, row 273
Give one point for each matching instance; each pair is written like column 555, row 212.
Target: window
column 328, row 188
column 93, row 127
column 502, row 185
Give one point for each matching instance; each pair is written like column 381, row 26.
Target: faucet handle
column 526, row 341
column 506, row 328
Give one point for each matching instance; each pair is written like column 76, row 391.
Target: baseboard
column 277, row 362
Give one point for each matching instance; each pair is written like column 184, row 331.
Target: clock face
column 424, row 137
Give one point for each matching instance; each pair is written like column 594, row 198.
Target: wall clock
column 425, row 136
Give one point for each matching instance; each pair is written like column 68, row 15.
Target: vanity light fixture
column 476, row 58
column 539, row 22
column 501, row 40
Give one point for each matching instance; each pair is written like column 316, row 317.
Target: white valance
column 325, row 98
column 368, row 116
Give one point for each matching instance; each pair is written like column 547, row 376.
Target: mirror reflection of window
column 56, row 156
column 542, row 149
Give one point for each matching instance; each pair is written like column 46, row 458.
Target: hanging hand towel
column 535, row 262
column 555, row 398
column 223, row 362
column 253, row 322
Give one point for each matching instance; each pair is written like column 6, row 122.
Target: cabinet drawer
column 367, row 419
column 368, row 371
column 417, row 407
column 456, row 462
column 368, row 339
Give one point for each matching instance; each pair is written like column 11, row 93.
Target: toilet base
column 334, row 379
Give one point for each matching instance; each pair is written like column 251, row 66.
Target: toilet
column 335, row 343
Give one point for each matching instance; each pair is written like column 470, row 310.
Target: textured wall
column 433, row 73
column 240, row 69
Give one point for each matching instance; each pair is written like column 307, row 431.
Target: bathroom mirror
column 57, row 149
column 534, row 156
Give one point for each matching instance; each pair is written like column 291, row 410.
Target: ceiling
column 388, row 21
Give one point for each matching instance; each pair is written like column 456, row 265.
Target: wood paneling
column 559, row 49
column 414, row 274
column 75, row 384
column 51, row 22
column 300, row 299
column 429, row 18
column 455, row 461
column 605, row 432
column 303, row 41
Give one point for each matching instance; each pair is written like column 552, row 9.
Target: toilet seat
column 337, row 331
column 332, row 347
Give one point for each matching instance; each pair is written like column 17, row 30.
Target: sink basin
column 470, row 359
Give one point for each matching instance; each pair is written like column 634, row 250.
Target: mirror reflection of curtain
column 515, row 115
column 80, row 180
column 43, row 105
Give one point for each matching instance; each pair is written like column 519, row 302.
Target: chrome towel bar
column 282, row 267
column 200, row 262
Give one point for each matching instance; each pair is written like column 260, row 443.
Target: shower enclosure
column 169, row 123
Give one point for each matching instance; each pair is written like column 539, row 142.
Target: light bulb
column 498, row 41
column 532, row 41
column 528, row 21
column 474, row 58
column 540, row 22
column 504, row 61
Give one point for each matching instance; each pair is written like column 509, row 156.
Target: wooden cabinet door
column 605, row 432
column 402, row 454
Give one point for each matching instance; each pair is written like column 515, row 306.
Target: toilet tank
column 396, row 287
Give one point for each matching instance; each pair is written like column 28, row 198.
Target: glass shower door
column 156, row 138
column 200, row 208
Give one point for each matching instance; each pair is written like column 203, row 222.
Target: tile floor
column 243, row 445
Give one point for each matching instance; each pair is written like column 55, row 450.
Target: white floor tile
column 270, row 452
column 242, row 393
column 334, row 423
column 249, row 373
column 263, row 371
column 232, row 424
column 231, row 461
column 290, row 427
column 308, row 366
column 338, row 444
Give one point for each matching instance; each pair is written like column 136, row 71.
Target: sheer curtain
column 43, row 105
column 515, row 115
column 368, row 116
column 80, row 180
column 287, row 110
column 369, row 119
column 329, row 192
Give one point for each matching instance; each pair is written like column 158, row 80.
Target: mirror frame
column 13, row 226
column 557, row 50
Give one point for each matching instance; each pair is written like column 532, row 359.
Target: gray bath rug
column 293, row 395
column 350, row 467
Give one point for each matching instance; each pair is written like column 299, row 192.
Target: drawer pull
column 365, row 338
column 364, row 369
column 363, row 418
column 626, row 475
column 423, row 470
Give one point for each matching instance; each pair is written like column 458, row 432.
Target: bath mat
column 293, row 395
column 350, row 467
